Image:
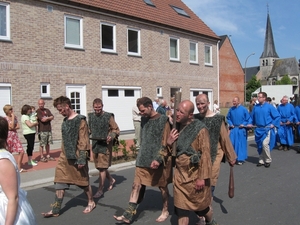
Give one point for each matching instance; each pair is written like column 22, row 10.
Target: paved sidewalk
column 43, row 173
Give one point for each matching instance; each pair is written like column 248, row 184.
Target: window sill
column 175, row 60
column 194, row 63
column 74, row 48
column 46, row 97
column 6, row 40
column 136, row 56
column 209, row 65
column 107, row 52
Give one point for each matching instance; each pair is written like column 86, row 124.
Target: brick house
column 231, row 74
column 114, row 50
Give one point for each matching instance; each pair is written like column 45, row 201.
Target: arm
column 9, row 184
column 83, row 144
column 114, row 130
column 226, row 145
column 29, row 124
column 228, row 118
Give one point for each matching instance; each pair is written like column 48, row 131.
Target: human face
column 261, row 99
column 41, row 104
column 10, row 111
column 29, row 111
column 182, row 115
column 202, row 105
column 63, row 110
column 235, row 102
column 284, row 101
column 98, row 108
column 145, row 111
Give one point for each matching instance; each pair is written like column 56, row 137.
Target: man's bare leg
column 91, row 204
column 183, row 221
column 54, row 212
column 111, row 181
column 165, row 198
column 47, row 147
column 136, row 187
column 41, row 151
column 102, row 176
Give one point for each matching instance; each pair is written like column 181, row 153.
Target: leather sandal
column 49, row 214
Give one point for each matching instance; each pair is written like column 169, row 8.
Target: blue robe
column 285, row 132
column 239, row 116
column 297, row 113
column 263, row 116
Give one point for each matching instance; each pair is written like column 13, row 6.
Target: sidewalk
column 43, row 173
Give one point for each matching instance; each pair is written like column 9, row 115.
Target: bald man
column 192, row 173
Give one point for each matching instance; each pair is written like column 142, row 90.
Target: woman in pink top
column 13, row 142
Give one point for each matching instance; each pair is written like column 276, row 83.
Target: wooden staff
column 176, row 103
column 231, row 184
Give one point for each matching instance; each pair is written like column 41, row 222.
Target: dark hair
column 62, row 100
column 3, row 132
column 145, row 101
column 97, row 101
column 25, row 109
column 269, row 99
column 264, row 94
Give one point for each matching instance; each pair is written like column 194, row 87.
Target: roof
column 251, row 71
column 269, row 46
column 160, row 14
column 287, row 66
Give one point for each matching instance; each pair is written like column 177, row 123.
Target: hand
column 249, row 125
column 154, row 164
column 80, row 166
column 173, row 136
column 241, row 126
column 288, row 122
column 199, row 184
column 108, row 139
column 232, row 163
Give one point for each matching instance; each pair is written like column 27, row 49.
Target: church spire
column 269, row 46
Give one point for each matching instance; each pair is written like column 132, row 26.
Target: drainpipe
column 218, row 68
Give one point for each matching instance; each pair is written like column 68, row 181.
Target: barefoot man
column 154, row 160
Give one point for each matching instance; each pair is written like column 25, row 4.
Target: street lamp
column 253, row 53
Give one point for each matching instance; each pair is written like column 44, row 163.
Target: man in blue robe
column 265, row 117
column 287, row 118
column 238, row 118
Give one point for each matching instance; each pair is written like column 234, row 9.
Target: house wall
column 37, row 54
column 231, row 75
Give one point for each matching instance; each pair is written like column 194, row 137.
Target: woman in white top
column 29, row 131
column 14, row 207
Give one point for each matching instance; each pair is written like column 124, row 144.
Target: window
column 108, row 37
column 193, row 52
column 4, row 21
column 294, row 80
column 174, row 49
column 208, row 56
column 112, row 92
column 180, row 11
column 159, row 91
column 129, row 93
column 133, row 39
column 149, row 2
column 73, row 32
column 45, row 90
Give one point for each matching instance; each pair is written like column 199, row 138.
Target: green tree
column 284, row 80
column 252, row 86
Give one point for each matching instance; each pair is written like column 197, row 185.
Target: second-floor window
column 133, row 38
column 174, row 49
column 108, row 37
column 208, row 55
column 4, row 21
column 73, row 32
column 193, row 52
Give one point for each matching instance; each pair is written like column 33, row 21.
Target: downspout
column 218, row 68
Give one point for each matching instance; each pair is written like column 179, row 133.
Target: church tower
column 269, row 54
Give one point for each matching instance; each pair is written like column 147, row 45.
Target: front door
column 77, row 95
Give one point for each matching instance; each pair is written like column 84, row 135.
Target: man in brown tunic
column 72, row 167
column 103, row 129
column 220, row 143
column 154, row 161
column 192, row 175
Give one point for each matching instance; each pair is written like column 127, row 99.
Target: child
column 33, row 115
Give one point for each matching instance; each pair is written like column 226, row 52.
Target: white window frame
column 177, row 49
column 196, row 52
column 210, row 55
column 114, row 38
column 80, row 32
column 47, row 94
column 159, row 91
column 7, row 36
column 138, row 53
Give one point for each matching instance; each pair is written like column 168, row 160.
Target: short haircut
column 269, row 99
column 145, row 101
column 97, row 101
column 6, row 108
column 3, row 132
column 25, row 109
column 264, row 94
column 62, row 100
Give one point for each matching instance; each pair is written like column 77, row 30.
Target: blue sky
column 245, row 22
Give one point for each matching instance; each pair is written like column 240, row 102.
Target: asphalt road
column 262, row 196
